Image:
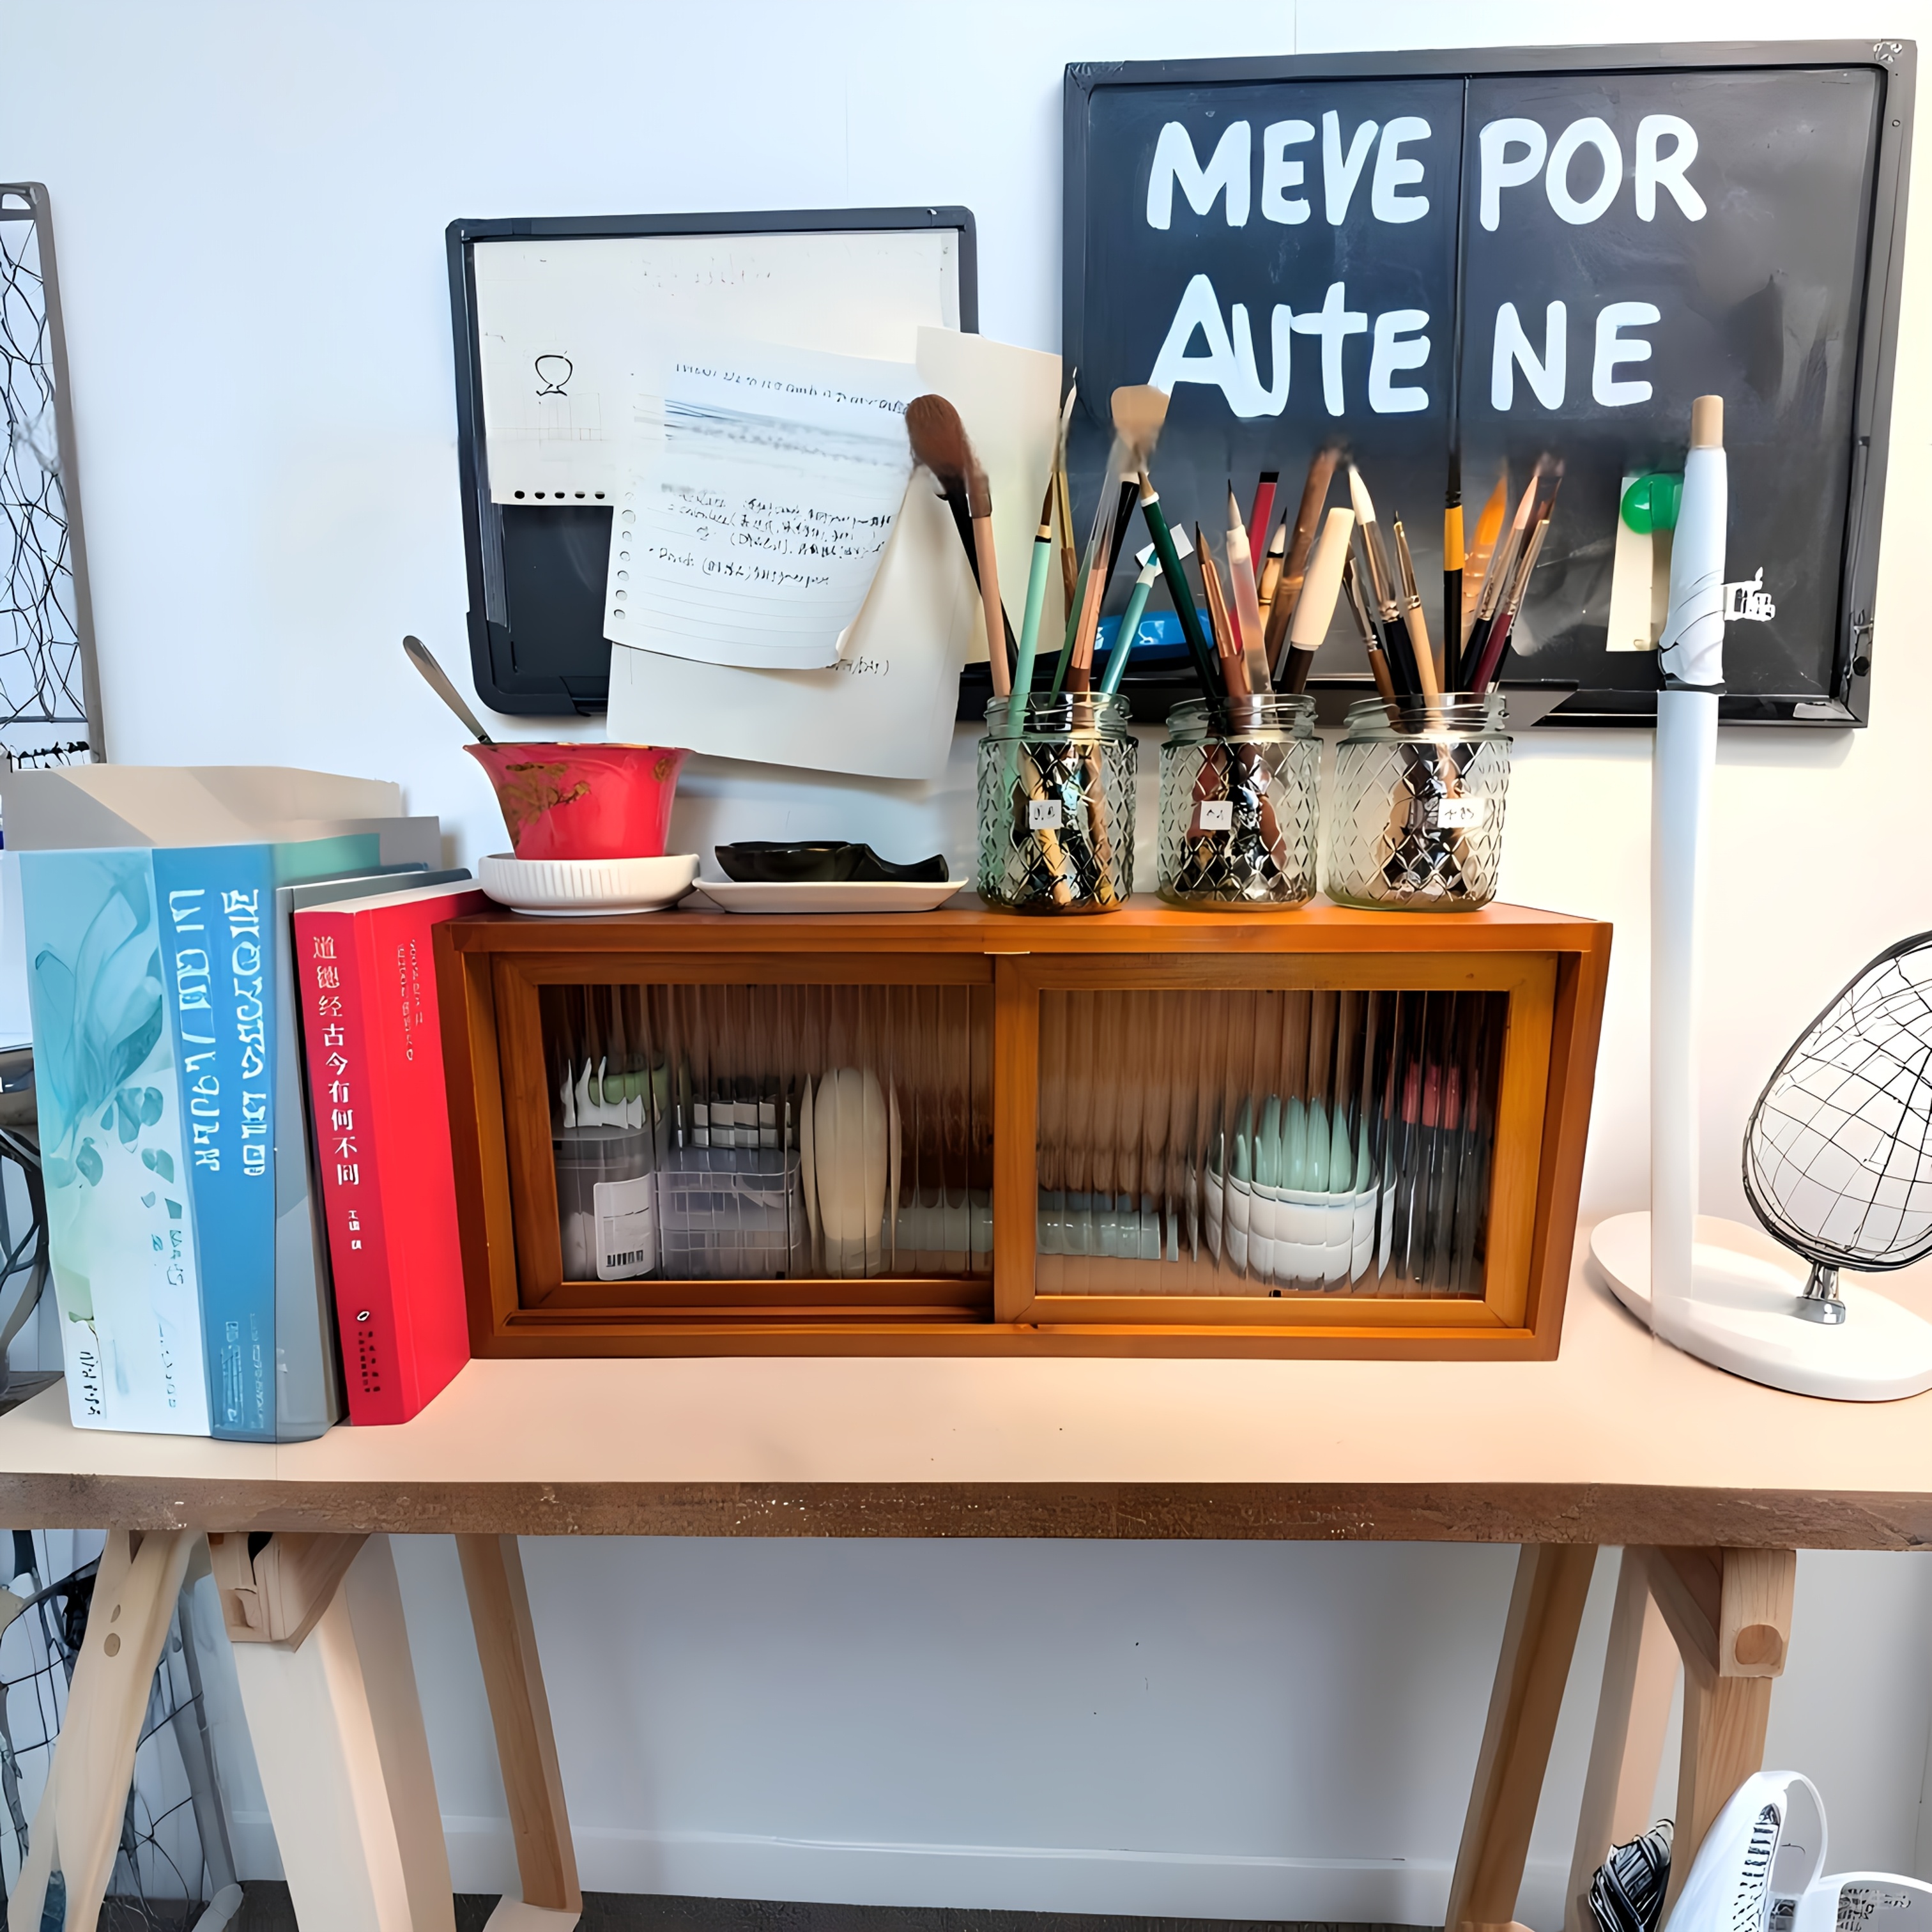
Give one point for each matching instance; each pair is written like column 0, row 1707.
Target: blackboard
column 1503, row 255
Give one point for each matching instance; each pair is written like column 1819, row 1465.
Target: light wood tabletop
column 1620, row 1439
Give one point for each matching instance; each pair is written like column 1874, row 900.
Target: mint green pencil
column 1130, row 620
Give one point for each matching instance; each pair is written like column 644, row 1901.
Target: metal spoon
column 438, row 681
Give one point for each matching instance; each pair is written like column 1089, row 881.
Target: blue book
column 217, row 906
column 114, row 1144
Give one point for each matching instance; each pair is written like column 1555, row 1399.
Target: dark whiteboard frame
column 1895, row 62
column 502, row 683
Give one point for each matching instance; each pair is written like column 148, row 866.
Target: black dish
column 821, row 862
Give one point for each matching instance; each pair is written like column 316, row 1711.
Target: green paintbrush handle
column 1036, row 601
column 1072, row 627
column 1123, row 638
column 1183, row 597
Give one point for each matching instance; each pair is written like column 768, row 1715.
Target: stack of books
column 208, row 1211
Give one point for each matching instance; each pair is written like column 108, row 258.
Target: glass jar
column 1240, row 783
column 1057, row 804
column 1416, row 820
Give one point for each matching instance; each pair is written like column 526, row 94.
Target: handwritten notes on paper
column 752, row 535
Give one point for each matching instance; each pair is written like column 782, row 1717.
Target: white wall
column 249, row 204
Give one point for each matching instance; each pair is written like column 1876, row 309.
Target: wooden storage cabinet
column 1322, row 1132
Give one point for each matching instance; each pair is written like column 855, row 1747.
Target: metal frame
column 499, row 683
column 39, row 210
column 1896, row 62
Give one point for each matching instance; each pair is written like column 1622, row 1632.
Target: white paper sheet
column 886, row 710
column 752, row 535
column 1009, row 400
column 572, row 331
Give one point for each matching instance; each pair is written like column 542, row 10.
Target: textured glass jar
column 1239, row 785
column 1415, row 820
column 1057, row 804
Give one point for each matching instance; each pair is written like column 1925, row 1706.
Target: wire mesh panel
column 48, row 710
column 174, row 1854
column 1267, row 1143
column 1838, row 1151
column 762, row 1132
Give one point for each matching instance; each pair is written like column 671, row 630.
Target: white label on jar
column 1043, row 814
column 1217, row 815
column 627, row 1227
column 1459, row 814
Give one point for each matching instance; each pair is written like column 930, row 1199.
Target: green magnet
column 1651, row 502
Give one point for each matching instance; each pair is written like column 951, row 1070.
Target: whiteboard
column 571, row 332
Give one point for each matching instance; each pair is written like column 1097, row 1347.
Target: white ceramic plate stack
column 580, row 888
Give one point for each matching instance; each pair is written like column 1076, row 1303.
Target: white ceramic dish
column 579, row 888
column 828, row 895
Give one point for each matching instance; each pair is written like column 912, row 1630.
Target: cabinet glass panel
column 1267, row 1143
column 769, row 1133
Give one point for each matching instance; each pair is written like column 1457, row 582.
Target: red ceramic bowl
column 583, row 801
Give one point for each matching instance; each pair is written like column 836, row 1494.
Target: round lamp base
column 1744, row 1316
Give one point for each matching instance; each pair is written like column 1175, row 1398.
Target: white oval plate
column 582, row 888
column 828, row 895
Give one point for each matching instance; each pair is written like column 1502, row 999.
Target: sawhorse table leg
column 1539, row 1639
column 76, row 1831
column 1727, row 1614
column 330, row 1693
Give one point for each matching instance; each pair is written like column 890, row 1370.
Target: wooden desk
column 1620, row 1440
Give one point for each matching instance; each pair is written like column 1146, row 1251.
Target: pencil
column 1234, row 671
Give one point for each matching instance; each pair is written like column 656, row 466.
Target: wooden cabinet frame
column 491, row 968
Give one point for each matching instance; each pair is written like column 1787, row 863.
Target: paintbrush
column 1489, row 528
column 1227, row 644
column 1352, row 588
column 1301, row 537
column 1178, row 587
column 1316, row 607
column 1452, row 572
column 1036, row 601
column 1488, row 667
column 1414, row 622
column 1138, row 411
column 1502, row 564
column 1263, row 510
column 1382, row 587
column 940, row 442
column 1246, row 599
column 1271, row 571
column 1069, row 556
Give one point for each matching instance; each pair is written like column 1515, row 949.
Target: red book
column 371, row 1034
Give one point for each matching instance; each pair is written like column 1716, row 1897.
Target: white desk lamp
column 1721, row 1292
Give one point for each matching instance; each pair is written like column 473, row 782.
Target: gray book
column 308, row 1367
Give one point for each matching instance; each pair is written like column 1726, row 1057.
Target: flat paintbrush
column 1381, row 586
column 1482, row 548
column 1488, row 667
column 1316, row 609
column 1301, row 538
column 1139, row 412
column 1351, row 588
column 940, row 442
column 1246, row 599
column 1502, row 565
column 1414, row 622
column 1271, row 574
column 1069, row 555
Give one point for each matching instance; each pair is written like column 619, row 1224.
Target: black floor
column 269, row 1910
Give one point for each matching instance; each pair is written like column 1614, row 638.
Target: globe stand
column 1747, row 1309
